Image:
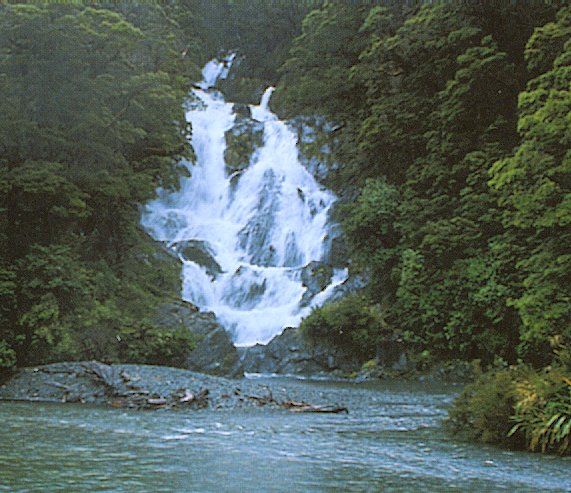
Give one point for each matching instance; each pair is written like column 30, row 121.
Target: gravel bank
column 146, row 387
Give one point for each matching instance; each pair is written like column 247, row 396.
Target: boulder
column 315, row 276
column 200, row 253
column 176, row 313
column 215, row 354
column 242, row 140
column 288, row 353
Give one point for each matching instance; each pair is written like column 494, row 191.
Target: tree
column 535, row 189
column 315, row 76
column 92, row 123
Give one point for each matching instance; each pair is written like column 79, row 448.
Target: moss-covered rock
column 243, row 90
column 200, row 253
column 315, row 276
column 242, row 140
column 242, row 110
column 316, row 142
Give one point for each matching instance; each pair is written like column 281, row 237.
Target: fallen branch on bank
column 298, row 407
column 304, row 407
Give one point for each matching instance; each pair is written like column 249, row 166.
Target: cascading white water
column 258, row 229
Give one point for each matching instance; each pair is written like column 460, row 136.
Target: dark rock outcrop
column 200, row 253
column 242, row 140
column 315, row 276
column 287, row 353
column 214, row 352
column 316, row 140
column 353, row 284
column 336, row 252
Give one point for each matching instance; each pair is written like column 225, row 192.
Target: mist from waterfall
column 259, row 227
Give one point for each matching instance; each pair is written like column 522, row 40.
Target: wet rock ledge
column 147, row 387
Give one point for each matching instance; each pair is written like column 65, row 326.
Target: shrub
column 543, row 411
column 7, row 356
column 519, row 407
column 152, row 345
column 351, row 324
column 484, row 409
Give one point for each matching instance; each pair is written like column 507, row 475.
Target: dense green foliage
column 350, row 324
column 453, row 124
column 535, row 190
column 91, row 123
column 315, row 75
column 518, row 406
column 452, row 121
column 259, row 32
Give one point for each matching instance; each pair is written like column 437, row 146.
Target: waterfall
column 245, row 237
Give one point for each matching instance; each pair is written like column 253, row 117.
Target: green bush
column 543, row 411
column 351, row 324
column 519, row 407
column 7, row 356
column 484, row 409
column 152, row 345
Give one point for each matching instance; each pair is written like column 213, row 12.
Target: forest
column 451, row 123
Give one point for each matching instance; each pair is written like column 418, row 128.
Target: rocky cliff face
column 287, row 353
column 214, row 353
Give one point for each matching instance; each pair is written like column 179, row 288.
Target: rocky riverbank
column 289, row 354
column 150, row 387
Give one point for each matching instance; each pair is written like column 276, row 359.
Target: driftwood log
column 200, row 399
column 298, row 407
column 304, row 407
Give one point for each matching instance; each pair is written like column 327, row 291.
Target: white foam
column 262, row 229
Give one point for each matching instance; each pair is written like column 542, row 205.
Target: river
column 391, row 440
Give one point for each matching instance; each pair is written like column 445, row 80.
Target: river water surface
column 390, row 441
